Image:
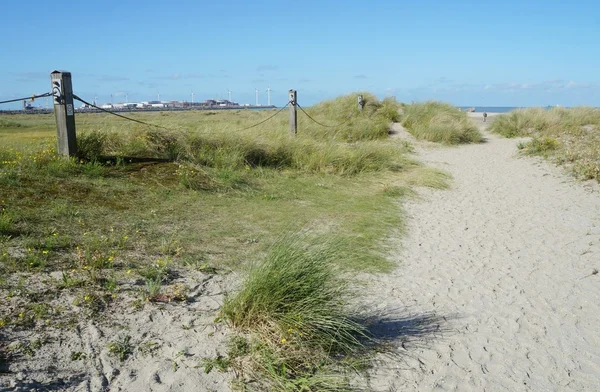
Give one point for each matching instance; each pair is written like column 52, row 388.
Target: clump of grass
column 91, row 145
column 566, row 136
column 121, row 348
column 297, row 305
column 439, row 122
column 6, row 222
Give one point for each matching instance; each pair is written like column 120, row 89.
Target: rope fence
column 64, row 109
column 31, row 98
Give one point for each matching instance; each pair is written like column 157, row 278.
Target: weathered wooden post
column 361, row 103
column 64, row 112
column 293, row 99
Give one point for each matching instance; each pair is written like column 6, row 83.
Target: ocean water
column 490, row 109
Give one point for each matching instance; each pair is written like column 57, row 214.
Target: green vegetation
column 80, row 238
column 296, row 304
column 121, row 348
column 566, row 136
column 439, row 122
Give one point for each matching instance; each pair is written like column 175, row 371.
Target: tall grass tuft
column 439, row 122
column 567, row 136
column 297, row 305
column 91, row 145
column 370, row 124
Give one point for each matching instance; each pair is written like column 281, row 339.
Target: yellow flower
column 110, row 258
column 45, row 252
column 283, row 340
column 20, row 315
column 87, row 298
column 128, row 271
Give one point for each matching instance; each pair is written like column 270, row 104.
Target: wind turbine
column 256, row 91
column 268, row 96
column 229, row 92
column 158, row 96
column 126, row 98
column 192, row 97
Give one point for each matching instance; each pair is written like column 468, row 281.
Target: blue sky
column 485, row 53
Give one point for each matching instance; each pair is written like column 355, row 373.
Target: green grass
column 439, row 122
column 569, row 137
column 296, row 303
column 141, row 205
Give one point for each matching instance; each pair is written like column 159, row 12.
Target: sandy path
column 502, row 256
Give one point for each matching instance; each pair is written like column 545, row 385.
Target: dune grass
column 439, row 122
column 567, row 136
column 295, row 307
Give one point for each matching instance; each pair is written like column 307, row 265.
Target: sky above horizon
column 468, row 53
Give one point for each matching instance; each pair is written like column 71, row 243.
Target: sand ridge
column 503, row 259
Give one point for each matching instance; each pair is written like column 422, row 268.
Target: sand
column 503, row 261
column 168, row 343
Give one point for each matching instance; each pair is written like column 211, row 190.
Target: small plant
column 153, row 290
column 219, row 362
column 148, row 348
column 90, row 301
column 121, row 349
column 70, row 280
column 158, row 271
column 78, row 356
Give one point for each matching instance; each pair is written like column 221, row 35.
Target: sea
column 491, row 109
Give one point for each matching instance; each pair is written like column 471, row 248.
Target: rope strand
column 116, row 114
column 321, row 124
column 32, row 98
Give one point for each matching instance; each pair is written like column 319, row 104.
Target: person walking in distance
column 484, row 116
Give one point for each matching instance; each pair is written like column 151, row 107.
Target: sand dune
column 504, row 259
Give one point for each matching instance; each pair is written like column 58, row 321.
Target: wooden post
column 64, row 112
column 293, row 114
column 361, row 103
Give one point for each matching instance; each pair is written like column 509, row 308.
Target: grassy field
column 568, row 137
column 148, row 204
column 439, row 122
